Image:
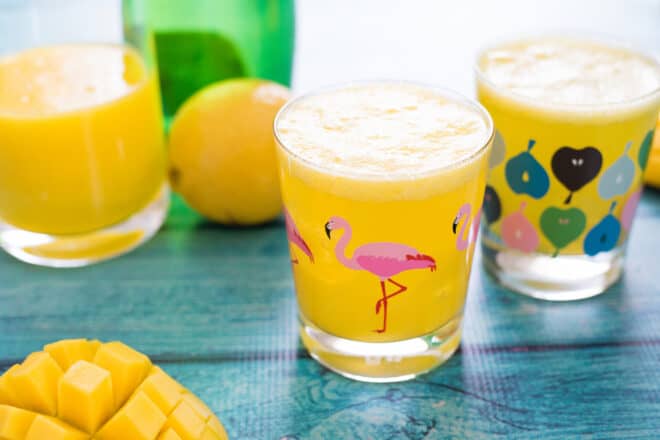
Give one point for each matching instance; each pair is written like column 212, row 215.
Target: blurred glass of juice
column 82, row 161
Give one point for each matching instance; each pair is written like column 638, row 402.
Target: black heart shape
column 575, row 168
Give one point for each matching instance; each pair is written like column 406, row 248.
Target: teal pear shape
column 604, row 236
column 525, row 175
column 616, row 180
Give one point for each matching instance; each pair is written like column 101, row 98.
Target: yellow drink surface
column 396, row 162
column 569, row 71
column 595, row 102
column 81, row 142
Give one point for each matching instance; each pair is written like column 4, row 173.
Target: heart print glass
column 574, row 122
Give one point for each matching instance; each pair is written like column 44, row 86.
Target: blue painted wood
column 215, row 307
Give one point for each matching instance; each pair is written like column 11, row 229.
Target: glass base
column 382, row 361
column 85, row 249
column 560, row 278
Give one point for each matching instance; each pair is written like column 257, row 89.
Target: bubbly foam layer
column 56, row 79
column 386, row 129
column 570, row 71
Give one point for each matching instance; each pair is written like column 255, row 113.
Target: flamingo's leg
column 294, row 259
column 382, row 301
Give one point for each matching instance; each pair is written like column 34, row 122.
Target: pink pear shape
column 629, row 209
column 518, row 232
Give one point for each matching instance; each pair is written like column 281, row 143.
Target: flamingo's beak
column 328, row 229
column 454, row 225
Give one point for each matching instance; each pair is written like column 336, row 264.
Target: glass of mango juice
column 574, row 122
column 382, row 184
column 82, row 158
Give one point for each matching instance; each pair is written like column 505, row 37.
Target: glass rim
column 607, row 40
column 442, row 91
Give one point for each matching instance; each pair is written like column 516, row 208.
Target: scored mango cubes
column 85, row 396
column 34, row 383
column 70, row 351
column 14, row 422
column 79, row 389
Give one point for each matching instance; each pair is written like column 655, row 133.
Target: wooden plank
column 216, row 307
column 607, row 392
column 202, row 290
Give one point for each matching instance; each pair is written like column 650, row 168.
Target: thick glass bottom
column 85, row 249
column 560, row 278
column 382, row 361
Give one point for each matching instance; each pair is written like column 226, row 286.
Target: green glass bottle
column 199, row 42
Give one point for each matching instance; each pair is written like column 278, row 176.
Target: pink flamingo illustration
column 381, row 259
column 295, row 238
column 467, row 235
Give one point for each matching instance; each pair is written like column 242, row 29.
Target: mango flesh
column 79, row 389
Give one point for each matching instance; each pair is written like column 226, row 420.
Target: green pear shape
column 562, row 226
column 645, row 149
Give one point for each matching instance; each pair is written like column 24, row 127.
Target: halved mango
column 69, row 351
column 139, row 419
column 186, row 421
column 44, row 427
column 127, row 367
column 217, row 427
column 34, row 383
column 15, row 422
column 210, row 434
column 85, row 396
column 7, row 394
column 170, row 434
column 164, row 391
column 198, row 406
column 78, row 389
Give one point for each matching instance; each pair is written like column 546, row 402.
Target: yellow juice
column 81, row 144
column 574, row 121
column 382, row 185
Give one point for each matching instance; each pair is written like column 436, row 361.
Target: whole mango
column 652, row 175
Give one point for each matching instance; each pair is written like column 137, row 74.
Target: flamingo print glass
column 383, row 183
column 574, row 125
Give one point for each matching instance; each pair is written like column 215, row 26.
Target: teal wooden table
column 215, row 307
